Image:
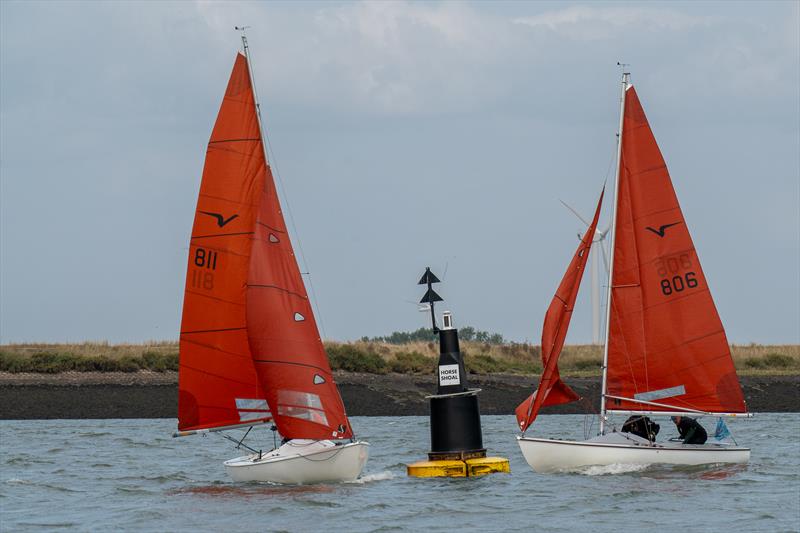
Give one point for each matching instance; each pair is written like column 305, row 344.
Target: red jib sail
column 551, row 390
column 250, row 349
column 666, row 344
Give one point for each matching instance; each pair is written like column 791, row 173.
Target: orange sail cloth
column 666, row 341
column 249, row 348
column 551, row 390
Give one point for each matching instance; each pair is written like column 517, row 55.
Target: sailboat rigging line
column 273, row 163
column 274, row 429
column 610, row 166
column 240, row 444
column 588, row 420
column 246, row 433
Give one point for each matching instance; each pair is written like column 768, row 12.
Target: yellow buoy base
column 487, row 465
column 468, row 468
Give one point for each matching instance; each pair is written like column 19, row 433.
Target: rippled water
column 130, row 474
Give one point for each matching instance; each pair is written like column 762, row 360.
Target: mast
column 246, row 50
column 625, row 85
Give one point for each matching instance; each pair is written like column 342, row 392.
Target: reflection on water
column 722, row 471
column 244, row 490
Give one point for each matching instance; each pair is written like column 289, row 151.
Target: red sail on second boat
column 666, row 343
column 551, row 390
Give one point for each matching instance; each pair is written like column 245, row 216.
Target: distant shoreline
column 144, row 394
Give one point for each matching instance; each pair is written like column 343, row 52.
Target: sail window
column 252, row 409
column 312, row 415
column 660, row 393
column 302, row 405
column 298, row 317
column 273, row 238
column 247, row 403
column 318, row 380
column 303, row 399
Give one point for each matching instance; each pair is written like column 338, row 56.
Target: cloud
column 595, row 23
column 414, row 59
column 391, row 119
column 393, row 58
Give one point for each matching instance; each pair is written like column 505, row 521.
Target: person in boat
column 641, row 426
column 690, row 430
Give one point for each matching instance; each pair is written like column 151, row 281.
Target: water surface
column 131, row 475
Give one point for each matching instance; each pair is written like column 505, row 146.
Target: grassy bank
column 416, row 357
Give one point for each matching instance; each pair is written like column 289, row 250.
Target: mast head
column 626, row 75
column 243, row 29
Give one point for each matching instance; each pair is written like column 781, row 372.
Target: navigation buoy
column 456, row 439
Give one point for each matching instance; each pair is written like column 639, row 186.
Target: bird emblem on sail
column 221, row 220
column 660, row 231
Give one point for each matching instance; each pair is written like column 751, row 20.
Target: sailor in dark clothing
column 690, row 430
column 641, row 426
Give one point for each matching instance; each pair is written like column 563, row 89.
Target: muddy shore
column 154, row 395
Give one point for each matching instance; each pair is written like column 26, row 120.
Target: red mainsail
column 666, row 343
column 249, row 346
column 551, row 390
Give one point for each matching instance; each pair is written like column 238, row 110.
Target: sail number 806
column 678, row 283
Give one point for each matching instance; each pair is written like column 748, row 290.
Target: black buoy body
column 456, row 440
column 454, row 413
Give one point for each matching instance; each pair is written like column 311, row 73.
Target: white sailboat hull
column 302, row 462
column 548, row 455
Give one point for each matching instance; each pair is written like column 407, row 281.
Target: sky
column 406, row 135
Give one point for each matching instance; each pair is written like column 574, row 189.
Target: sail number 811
column 205, row 260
